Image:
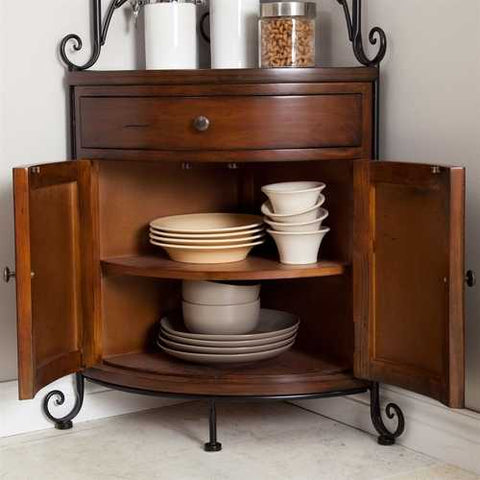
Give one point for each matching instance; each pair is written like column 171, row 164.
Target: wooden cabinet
column 383, row 304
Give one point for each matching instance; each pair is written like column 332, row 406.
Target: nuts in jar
column 287, row 34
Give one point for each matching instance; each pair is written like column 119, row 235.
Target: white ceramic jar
column 234, row 33
column 171, row 40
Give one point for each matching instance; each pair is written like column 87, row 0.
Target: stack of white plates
column 207, row 237
column 295, row 215
column 275, row 334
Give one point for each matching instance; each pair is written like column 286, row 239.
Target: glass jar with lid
column 287, row 34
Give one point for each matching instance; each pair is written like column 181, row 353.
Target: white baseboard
column 452, row 436
column 26, row 416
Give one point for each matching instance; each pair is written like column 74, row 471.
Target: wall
column 431, row 99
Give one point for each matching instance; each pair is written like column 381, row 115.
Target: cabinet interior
column 131, row 194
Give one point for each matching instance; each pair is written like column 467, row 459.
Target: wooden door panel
column 54, row 262
column 408, row 274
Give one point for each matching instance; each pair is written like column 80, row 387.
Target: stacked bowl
column 223, row 324
column 295, row 215
column 207, row 238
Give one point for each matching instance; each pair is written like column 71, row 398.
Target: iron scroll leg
column 386, row 437
column 65, row 423
column 213, row 445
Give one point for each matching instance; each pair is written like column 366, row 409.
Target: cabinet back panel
column 132, row 308
column 133, row 194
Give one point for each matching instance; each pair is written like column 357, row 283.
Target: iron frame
column 386, row 436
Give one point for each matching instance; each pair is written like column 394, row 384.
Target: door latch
column 470, row 278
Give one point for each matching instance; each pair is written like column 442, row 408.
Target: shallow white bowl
column 207, row 223
column 208, row 242
column 313, row 226
column 217, row 293
column 299, row 248
column 307, row 215
column 221, row 319
column 293, row 197
column 207, row 255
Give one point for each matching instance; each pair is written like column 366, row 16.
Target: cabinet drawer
column 235, row 122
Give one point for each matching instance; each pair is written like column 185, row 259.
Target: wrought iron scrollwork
column 354, row 27
column 99, row 35
column 386, row 437
column 65, row 423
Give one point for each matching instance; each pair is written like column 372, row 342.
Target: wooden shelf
column 293, row 373
column 253, row 268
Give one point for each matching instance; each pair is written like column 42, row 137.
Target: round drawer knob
column 8, row 274
column 201, row 124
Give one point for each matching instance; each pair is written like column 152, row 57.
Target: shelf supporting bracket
column 65, row 423
column 99, row 34
column 213, row 445
column 386, row 436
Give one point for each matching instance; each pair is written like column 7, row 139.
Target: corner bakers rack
column 353, row 17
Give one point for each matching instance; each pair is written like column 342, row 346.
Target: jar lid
column 288, row 9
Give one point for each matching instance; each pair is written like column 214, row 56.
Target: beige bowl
column 299, row 227
column 207, row 255
column 207, row 223
column 299, row 248
column 307, row 215
column 293, row 197
column 221, row 319
column 216, row 293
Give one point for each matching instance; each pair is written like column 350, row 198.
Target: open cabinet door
column 55, row 271
column 409, row 277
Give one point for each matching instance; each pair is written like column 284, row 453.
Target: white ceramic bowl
column 207, row 255
column 299, row 248
column 219, row 293
column 307, row 215
column 221, row 319
column 313, row 226
column 207, row 223
column 293, row 197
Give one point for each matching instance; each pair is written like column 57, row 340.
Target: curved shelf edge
column 253, row 268
column 157, row 374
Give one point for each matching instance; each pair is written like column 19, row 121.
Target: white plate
column 207, row 223
column 216, row 358
column 271, row 324
column 229, row 343
column 230, row 350
column 206, row 236
column 206, row 243
column 207, row 255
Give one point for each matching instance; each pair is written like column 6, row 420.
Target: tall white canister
column 234, row 33
column 171, row 40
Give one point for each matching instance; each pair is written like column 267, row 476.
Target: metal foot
column 213, row 445
column 65, row 423
column 386, row 437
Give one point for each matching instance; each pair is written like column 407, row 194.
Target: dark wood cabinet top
column 237, row 76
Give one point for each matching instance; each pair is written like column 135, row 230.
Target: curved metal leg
column 213, row 445
column 65, row 423
column 386, row 437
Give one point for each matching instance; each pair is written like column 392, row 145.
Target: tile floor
column 261, row 441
